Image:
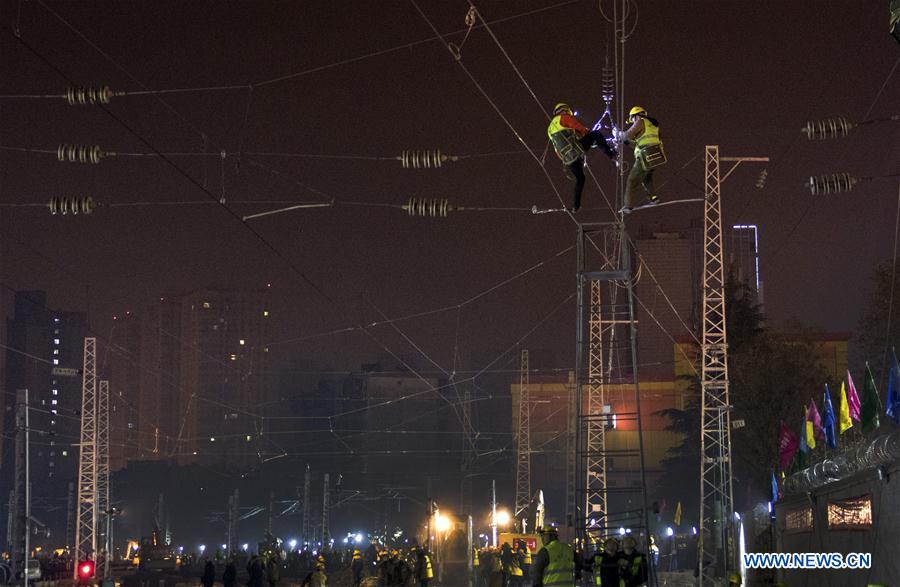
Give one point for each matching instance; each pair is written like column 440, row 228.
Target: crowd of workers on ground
column 556, row 564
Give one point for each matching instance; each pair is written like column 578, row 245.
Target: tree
column 874, row 337
column 771, row 376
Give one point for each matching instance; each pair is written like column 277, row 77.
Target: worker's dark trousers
column 639, row 176
column 592, row 139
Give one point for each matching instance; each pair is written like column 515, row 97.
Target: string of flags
column 829, row 426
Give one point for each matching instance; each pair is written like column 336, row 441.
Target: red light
column 86, row 570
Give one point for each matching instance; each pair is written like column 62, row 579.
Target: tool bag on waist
column 653, row 156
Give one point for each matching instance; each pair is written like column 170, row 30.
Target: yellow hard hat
column 637, row 110
column 562, row 107
column 549, row 530
column 734, row 579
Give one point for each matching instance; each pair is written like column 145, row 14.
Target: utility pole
column 86, row 526
column 307, row 521
column 493, row 512
column 326, row 505
column 233, row 512
column 21, row 511
column 716, row 550
column 523, row 451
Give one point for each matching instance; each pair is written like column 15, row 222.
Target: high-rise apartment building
column 39, row 340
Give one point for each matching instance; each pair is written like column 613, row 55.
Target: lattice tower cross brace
column 86, row 526
column 523, row 452
column 102, row 450
column 716, row 550
column 595, row 473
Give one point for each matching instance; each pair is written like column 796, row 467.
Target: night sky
column 746, row 76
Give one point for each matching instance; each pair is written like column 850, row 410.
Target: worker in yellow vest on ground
column 424, row 570
column 648, row 155
column 556, row 564
column 571, row 140
column 634, row 564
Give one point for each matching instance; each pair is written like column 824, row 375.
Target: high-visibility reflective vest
column 636, row 565
column 565, row 141
column 649, row 136
column 514, row 568
column 475, row 561
column 527, row 557
column 429, row 572
column 561, row 568
column 318, row 579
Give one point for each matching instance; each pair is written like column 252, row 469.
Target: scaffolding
column 86, row 526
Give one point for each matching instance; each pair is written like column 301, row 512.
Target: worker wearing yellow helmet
column 648, row 155
column 572, row 140
column 556, row 564
column 634, row 564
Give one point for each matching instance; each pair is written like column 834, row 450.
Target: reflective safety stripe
column 429, row 573
column 565, row 141
column 649, row 136
column 561, row 567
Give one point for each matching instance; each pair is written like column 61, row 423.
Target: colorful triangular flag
column 852, row 398
column 871, row 404
column 828, row 423
column 893, row 395
column 846, row 420
column 774, row 488
column 788, row 444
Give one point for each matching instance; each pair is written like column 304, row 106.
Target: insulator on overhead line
column 831, row 184
column 761, row 180
column 80, row 153
column 90, row 95
column 427, row 207
column 64, row 205
column 830, row 128
column 607, row 84
column 424, row 159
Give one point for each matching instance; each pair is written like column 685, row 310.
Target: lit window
column 265, row 312
column 854, row 513
column 55, row 392
column 248, row 438
column 53, row 402
column 56, row 331
column 55, row 319
column 53, row 412
column 56, row 340
column 55, row 351
column 206, row 305
column 53, row 423
column 212, row 438
column 242, row 342
column 234, row 357
column 131, row 425
column 56, row 361
column 266, row 349
column 799, row 520
column 65, row 453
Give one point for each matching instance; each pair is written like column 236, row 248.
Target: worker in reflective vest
column 634, row 564
column 424, row 570
column 556, row 564
column 644, row 134
column 571, row 140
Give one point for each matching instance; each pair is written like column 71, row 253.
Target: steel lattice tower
column 523, row 452
column 595, row 472
column 604, row 262
column 85, row 528
column 326, row 507
column 102, row 457
column 716, row 549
